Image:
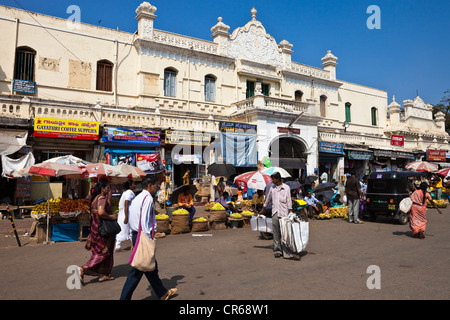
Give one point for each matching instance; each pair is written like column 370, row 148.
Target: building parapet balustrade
column 263, row 103
column 381, row 141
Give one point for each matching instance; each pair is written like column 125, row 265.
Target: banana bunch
column 339, row 212
column 439, row 204
column 236, row 215
column 247, row 213
column 201, row 219
column 180, row 212
column 323, row 216
column 217, row 206
column 161, row 216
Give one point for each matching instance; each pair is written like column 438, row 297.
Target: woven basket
column 180, row 223
column 163, row 225
column 200, row 226
column 218, row 215
column 217, row 225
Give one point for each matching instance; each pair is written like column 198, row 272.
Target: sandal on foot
column 105, row 278
column 169, row 293
column 81, row 274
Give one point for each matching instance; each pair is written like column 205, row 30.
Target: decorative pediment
column 252, row 42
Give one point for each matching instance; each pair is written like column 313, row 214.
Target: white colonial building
column 174, row 89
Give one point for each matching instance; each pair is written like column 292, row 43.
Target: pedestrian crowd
column 137, row 214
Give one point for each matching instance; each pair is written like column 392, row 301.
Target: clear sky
column 409, row 53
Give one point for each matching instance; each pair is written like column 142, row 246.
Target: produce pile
column 70, row 205
column 209, row 205
column 236, row 215
column 217, row 206
column 247, row 203
column 247, row 213
column 439, row 204
column 201, row 219
column 180, row 212
column 161, row 217
column 43, row 207
column 337, row 212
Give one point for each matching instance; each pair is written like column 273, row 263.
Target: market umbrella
column 324, row 187
column 70, row 160
column 293, row 184
column 51, row 169
column 221, row 170
column 327, row 194
column 310, row 179
column 130, row 172
column 100, row 170
column 174, row 196
column 253, row 179
column 444, row 172
column 422, row 166
column 271, row 170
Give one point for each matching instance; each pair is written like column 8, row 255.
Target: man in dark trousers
column 144, row 202
column 353, row 192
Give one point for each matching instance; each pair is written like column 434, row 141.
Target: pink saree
column 418, row 213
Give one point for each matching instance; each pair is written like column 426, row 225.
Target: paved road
column 234, row 264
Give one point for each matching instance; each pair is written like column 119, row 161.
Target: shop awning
column 12, row 141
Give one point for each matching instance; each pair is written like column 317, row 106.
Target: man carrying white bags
column 280, row 197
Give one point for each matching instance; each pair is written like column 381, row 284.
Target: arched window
column 104, row 75
column 373, row 113
column 24, row 64
column 170, row 82
column 298, row 95
column 323, row 104
column 348, row 115
column 210, row 88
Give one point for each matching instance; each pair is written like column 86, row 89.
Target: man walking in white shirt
column 280, row 197
column 144, row 203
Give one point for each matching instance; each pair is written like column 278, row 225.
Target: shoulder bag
column 143, row 255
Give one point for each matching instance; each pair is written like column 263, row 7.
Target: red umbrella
column 253, row 179
column 422, row 166
column 100, row 170
column 444, row 172
column 51, row 169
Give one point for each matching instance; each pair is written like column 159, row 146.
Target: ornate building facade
column 158, row 90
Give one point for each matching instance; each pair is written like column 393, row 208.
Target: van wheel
column 403, row 218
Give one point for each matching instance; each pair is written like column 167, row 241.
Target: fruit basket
column 200, row 225
column 162, row 223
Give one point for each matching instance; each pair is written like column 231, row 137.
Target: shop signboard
column 235, row 127
column 397, row 140
column 149, row 162
column 436, row 155
column 66, row 129
column 131, row 136
column 331, row 147
column 359, row 155
column 188, row 138
column 24, row 86
column 288, row 130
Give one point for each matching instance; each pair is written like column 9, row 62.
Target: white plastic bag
column 294, row 233
column 261, row 223
column 405, row 205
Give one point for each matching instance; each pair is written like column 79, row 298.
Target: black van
column 385, row 190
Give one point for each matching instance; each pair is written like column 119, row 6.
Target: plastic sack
column 405, row 205
column 294, row 233
column 261, row 223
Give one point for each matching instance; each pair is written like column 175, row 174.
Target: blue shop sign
column 331, row 147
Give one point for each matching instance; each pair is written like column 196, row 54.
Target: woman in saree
column 102, row 248
column 418, row 213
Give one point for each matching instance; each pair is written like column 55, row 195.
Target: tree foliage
column 444, row 107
